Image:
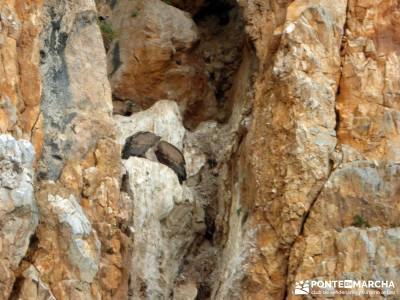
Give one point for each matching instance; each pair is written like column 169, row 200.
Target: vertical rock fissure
column 342, row 46
column 332, row 165
column 337, row 117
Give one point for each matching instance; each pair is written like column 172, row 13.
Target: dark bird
column 170, row 156
column 139, row 143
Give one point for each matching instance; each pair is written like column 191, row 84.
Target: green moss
column 107, row 30
column 360, row 221
column 238, row 211
column 169, row 2
column 134, row 13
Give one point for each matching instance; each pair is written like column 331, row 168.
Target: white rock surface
column 163, row 119
column 84, row 249
column 18, row 210
column 33, row 287
column 158, row 201
column 155, row 188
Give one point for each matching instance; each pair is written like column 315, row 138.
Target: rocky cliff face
column 200, row 149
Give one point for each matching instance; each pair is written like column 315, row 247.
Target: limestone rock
column 83, row 254
column 367, row 103
column 20, row 84
column 18, row 210
column 353, row 253
column 79, row 168
column 291, row 138
column 160, row 209
column 162, row 119
column 354, row 220
column 71, row 128
column 153, row 57
column 287, row 162
column 159, row 204
column 33, row 288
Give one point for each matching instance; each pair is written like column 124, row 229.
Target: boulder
column 153, row 57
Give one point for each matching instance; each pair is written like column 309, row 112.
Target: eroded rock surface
column 153, row 57
column 19, row 214
column 162, row 212
column 20, row 83
column 77, row 249
column 162, row 220
column 282, row 114
column 293, row 134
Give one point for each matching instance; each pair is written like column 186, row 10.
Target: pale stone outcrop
column 19, row 215
column 83, row 253
column 34, row 288
column 161, row 221
column 162, row 213
column 163, row 119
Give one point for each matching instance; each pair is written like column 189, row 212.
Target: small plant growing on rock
column 360, row 221
column 107, row 33
column 107, row 30
column 134, row 13
column 238, row 211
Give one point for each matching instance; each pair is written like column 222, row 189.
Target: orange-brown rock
column 367, row 103
column 78, row 173
column 290, row 172
column 354, row 221
column 154, row 57
column 20, row 83
column 291, row 139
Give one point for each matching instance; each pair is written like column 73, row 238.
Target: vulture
column 170, row 156
column 167, row 154
column 139, row 143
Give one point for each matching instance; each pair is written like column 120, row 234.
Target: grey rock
column 18, row 209
column 162, row 227
column 84, row 246
column 33, row 282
